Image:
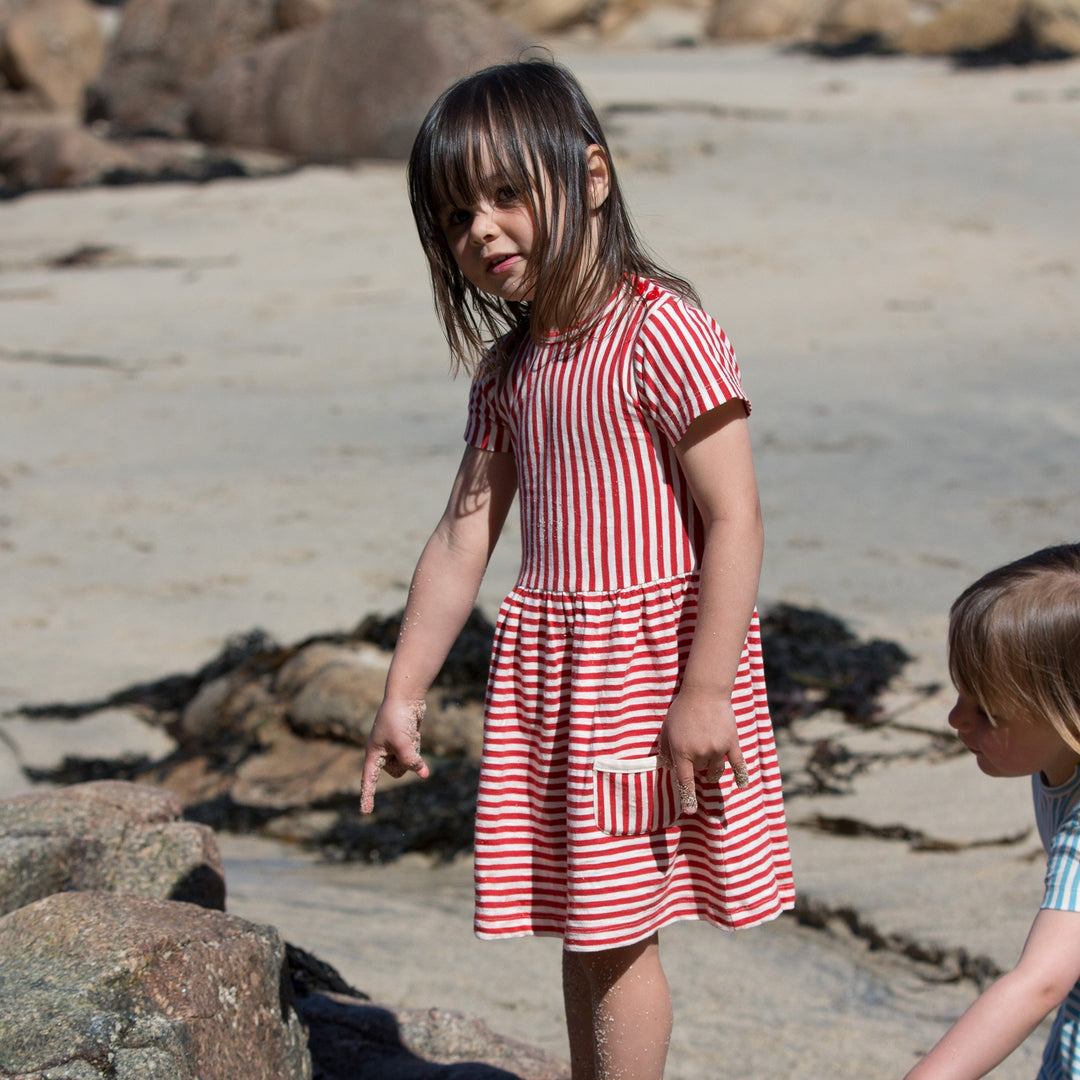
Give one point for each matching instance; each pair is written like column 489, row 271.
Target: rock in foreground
column 102, row 975
column 136, row 989
column 107, row 836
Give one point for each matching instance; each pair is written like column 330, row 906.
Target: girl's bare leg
column 618, row 1012
column 577, row 997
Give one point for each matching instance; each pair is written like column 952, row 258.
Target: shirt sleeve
column 486, row 427
column 1062, row 886
column 685, row 367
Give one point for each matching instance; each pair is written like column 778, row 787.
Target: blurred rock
column 334, row 692
column 34, row 157
column 229, row 708
column 356, row 85
column 1007, row 30
column 296, row 14
column 659, row 26
column 871, row 23
column 293, row 772
column 962, row 26
column 162, row 49
column 762, row 20
column 548, row 16
column 138, row 988
column 53, row 48
column 107, row 835
column 1055, row 25
column 1014, row 29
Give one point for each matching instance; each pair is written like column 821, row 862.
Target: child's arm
column 441, row 597
column 1006, row 1014
column 699, row 731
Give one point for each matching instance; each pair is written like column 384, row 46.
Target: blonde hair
column 1014, row 640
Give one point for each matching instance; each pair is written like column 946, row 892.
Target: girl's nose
column 484, row 226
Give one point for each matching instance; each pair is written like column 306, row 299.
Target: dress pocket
column 633, row 796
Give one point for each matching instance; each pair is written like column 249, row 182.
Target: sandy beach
column 240, row 415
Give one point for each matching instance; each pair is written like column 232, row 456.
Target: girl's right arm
column 441, row 597
column 1010, row 1010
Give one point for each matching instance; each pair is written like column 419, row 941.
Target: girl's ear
column 599, row 176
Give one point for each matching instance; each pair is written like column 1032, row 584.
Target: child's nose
column 483, row 224
column 956, row 714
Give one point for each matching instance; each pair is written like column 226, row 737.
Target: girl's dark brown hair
column 1014, row 640
column 531, row 121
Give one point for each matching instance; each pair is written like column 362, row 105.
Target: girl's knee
column 604, row 967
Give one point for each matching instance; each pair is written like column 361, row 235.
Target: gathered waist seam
column 678, row 581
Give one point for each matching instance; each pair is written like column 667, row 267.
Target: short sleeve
column 685, row 367
column 486, row 427
column 1062, row 887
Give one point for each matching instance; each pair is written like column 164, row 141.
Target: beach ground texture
column 237, row 413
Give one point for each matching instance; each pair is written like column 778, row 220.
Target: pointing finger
column 687, row 789
column 373, row 763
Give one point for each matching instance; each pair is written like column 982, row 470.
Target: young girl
column 627, row 671
column 1014, row 655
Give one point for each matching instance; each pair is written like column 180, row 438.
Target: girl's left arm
column 699, row 732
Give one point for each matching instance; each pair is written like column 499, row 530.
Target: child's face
column 492, row 240
column 1013, row 747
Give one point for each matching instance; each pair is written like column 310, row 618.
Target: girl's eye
column 457, row 218
column 506, row 194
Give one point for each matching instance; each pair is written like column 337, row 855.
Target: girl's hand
column 393, row 745
column 699, row 734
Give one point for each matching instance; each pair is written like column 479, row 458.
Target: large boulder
column 1021, row 29
column 762, row 20
column 1055, row 25
column 546, row 16
column 141, row 989
column 162, row 48
column 355, row 85
column 1025, row 29
column 53, row 49
column 845, row 23
column 106, row 835
column 962, row 26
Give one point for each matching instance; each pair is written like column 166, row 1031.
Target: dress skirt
column 579, row 833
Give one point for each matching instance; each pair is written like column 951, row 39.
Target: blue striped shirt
column 1057, row 814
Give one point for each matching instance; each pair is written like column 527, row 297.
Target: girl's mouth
column 501, row 263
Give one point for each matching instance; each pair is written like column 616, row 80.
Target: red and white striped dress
column 591, row 642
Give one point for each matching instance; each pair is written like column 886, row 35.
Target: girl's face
column 1013, row 746
column 492, row 240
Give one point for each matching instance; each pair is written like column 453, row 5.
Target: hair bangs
column 476, row 144
column 1014, row 640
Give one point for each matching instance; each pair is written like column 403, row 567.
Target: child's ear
column 599, row 176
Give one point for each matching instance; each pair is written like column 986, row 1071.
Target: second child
column 1014, row 656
